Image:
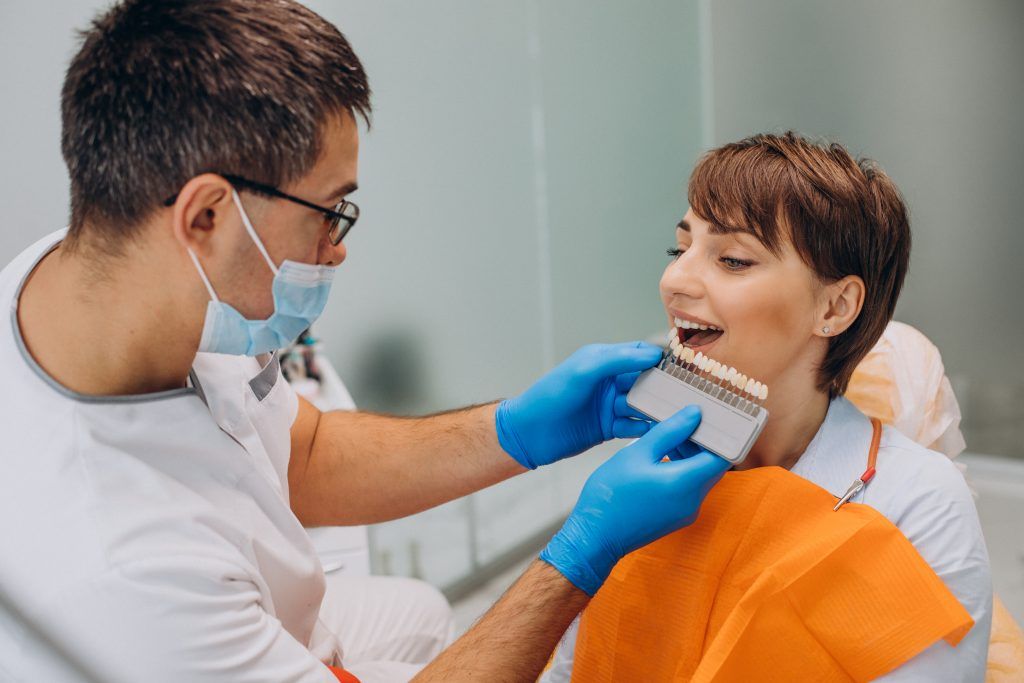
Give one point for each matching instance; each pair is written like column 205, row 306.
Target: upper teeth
column 687, row 325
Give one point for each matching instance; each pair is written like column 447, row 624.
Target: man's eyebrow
column 346, row 189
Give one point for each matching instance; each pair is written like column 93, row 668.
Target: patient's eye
column 675, row 252
column 735, row 263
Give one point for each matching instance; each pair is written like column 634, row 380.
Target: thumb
column 617, row 359
column 666, row 436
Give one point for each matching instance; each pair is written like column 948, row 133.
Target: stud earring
column 826, row 329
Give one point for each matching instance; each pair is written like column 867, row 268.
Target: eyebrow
column 346, row 189
column 714, row 229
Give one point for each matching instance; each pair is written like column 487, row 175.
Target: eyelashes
column 730, row 263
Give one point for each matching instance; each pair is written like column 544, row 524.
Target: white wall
column 519, row 187
column 933, row 90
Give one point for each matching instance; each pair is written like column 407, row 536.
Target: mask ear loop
column 252, row 231
column 202, row 274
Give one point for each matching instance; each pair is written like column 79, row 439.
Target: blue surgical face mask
column 300, row 294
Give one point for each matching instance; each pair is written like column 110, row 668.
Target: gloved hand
column 577, row 405
column 632, row 499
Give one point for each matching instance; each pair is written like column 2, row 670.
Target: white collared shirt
column 152, row 534
column 924, row 494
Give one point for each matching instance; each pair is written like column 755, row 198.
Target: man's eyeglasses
column 339, row 220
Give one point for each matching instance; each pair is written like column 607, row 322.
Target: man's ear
column 840, row 305
column 203, row 204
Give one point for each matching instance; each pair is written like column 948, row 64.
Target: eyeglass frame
column 334, row 216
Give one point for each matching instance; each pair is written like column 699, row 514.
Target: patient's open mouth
column 697, row 335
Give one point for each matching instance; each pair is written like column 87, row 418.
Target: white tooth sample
column 763, row 394
column 704, row 363
column 742, row 381
column 677, row 350
column 720, row 372
column 749, row 387
column 755, row 391
column 699, row 360
column 687, row 354
column 731, row 375
column 672, row 334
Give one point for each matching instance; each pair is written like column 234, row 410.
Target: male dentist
column 156, row 471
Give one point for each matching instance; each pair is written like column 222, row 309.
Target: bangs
column 742, row 189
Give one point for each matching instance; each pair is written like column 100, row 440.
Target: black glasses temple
column 269, row 190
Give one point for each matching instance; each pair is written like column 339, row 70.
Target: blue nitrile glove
column 577, row 405
column 632, row 499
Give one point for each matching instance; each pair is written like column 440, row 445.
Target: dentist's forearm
column 364, row 468
column 514, row 640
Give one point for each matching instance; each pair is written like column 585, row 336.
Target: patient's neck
column 796, row 410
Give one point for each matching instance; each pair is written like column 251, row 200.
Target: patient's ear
column 840, row 305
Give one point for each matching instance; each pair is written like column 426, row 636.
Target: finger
column 626, row 428
column 667, row 435
column 625, row 381
column 685, row 450
column 704, row 467
column 623, row 409
column 608, row 360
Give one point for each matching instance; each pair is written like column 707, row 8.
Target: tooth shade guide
column 714, row 378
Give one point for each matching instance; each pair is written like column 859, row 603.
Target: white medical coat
column 152, row 534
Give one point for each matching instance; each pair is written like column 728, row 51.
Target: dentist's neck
column 796, row 411
column 113, row 325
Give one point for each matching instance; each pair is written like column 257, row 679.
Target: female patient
column 793, row 255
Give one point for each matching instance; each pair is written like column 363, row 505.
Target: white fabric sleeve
column 943, row 525
column 175, row 619
column 560, row 670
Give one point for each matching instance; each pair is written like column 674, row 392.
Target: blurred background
column 524, row 173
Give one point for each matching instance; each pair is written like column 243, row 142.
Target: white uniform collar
column 838, row 453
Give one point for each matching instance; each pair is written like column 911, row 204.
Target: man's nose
column 331, row 255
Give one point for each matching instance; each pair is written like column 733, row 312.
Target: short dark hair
column 164, row 90
column 843, row 215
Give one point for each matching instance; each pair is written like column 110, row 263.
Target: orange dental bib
column 769, row 584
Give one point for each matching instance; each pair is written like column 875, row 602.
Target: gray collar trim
column 54, row 384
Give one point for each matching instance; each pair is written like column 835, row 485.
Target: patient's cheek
column 772, row 328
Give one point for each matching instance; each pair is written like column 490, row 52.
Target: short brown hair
column 843, row 215
column 164, row 90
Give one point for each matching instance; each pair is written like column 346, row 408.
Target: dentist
column 156, row 471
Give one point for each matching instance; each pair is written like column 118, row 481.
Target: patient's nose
column 683, row 277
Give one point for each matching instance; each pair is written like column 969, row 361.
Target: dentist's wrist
column 586, row 563
column 508, row 438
